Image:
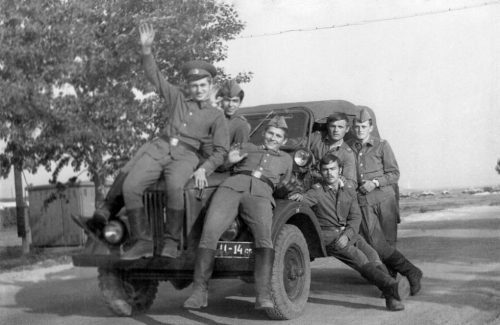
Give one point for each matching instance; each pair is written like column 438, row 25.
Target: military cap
column 363, row 116
column 195, row 70
column 278, row 122
column 231, row 88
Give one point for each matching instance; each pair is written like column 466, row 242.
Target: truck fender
column 301, row 216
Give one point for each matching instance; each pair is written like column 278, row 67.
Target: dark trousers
column 256, row 211
column 177, row 165
column 372, row 232
column 356, row 254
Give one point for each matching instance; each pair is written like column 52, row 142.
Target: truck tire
column 291, row 278
column 125, row 296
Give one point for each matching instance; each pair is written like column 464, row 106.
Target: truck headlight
column 114, row 232
column 302, row 157
column 232, row 231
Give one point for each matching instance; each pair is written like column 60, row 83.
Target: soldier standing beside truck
column 250, row 189
column 377, row 171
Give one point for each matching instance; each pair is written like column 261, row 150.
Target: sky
column 433, row 80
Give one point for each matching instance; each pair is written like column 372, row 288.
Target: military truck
column 129, row 287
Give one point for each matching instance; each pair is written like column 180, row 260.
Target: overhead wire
column 369, row 21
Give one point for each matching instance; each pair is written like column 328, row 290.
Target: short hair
column 284, row 129
column 328, row 159
column 358, row 121
column 337, row 116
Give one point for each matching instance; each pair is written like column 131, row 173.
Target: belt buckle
column 174, row 141
column 256, row 174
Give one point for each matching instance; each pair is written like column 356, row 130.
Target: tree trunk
column 18, row 185
column 100, row 190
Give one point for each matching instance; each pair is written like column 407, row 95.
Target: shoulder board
column 348, row 148
column 317, row 185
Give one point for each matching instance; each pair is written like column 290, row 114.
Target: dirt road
column 458, row 250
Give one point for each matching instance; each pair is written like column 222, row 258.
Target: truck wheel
column 291, row 274
column 126, row 296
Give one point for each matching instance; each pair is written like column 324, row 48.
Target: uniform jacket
column 277, row 166
column 375, row 160
column 320, row 147
column 189, row 120
column 335, row 208
column 239, row 132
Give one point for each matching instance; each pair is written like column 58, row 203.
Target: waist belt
column 257, row 175
column 333, row 228
column 176, row 142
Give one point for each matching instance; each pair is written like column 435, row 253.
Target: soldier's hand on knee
column 341, row 242
column 200, row 178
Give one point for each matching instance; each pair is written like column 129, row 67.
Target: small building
column 51, row 225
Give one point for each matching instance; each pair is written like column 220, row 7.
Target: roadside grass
column 13, row 259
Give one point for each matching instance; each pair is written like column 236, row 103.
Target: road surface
column 458, row 250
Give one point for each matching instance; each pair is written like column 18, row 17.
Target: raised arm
column 153, row 74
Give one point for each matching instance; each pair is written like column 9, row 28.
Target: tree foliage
column 92, row 48
column 497, row 167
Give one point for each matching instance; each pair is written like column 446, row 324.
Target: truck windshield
column 297, row 127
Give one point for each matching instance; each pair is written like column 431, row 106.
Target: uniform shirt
column 239, row 132
column 189, row 120
column 320, row 147
column 375, row 160
column 275, row 165
column 335, row 207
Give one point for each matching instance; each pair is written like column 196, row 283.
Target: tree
column 93, row 47
column 497, row 167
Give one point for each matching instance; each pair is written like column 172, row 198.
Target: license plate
column 234, row 249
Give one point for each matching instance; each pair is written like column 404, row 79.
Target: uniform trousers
column 256, row 211
column 177, row 164
column 372, row 232
column 356, row 254
column 387, row 214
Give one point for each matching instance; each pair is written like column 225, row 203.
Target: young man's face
column 337, row 130
column 199, row 89
column 231, row 105
column 331, row 173
column 274, row 138
column 362, row 130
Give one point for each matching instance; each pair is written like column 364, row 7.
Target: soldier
column 260, row 169
column 339, row 216
column 332, row 141
column 377, row 170
column 192, row 118
column 231, row 96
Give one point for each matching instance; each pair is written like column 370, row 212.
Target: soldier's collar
column 327, row 187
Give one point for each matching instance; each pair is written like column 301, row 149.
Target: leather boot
column 113, row 203
column 398, row 289
column 140, row 236
column 264, row 259
column 391, row 303
column 400, row 264
column 203, row 268
column 172, row 233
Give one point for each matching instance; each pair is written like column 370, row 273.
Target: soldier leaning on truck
column 377, row 170
column 192, row 118
column 259, row 169
column 339, row 216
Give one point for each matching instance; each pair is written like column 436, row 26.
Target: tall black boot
column 391, row 303
column 172, row 232
column 398, row 289
column 140, row 233
column 113, row 203
column 202, row 273
column 399, row 263
column 264, row 259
